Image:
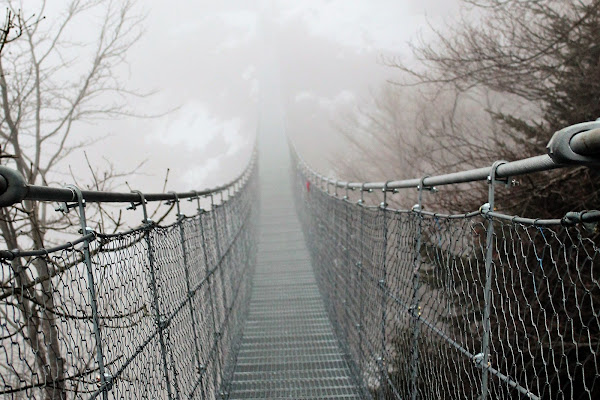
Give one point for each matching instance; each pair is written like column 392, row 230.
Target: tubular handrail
column 14, row 189
column 586, row 143
column 575, row 145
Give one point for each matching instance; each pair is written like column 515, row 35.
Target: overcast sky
column 203, row 58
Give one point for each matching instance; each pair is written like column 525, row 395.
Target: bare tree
column 532, row 68
column 497, row 86
column 543, row 57
column 51, row 82
column 408, row 132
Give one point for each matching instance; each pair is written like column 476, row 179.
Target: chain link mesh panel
column 170, row 307
column 405, row 291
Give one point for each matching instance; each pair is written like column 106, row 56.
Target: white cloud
column 362, row 25
column 343, row 98
column 211, row 142
column 194, row 128
column 383, row 25
column 304, row 96
column 198, row 176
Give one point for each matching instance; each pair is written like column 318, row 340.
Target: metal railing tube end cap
column 13, row 187
column 564, row 143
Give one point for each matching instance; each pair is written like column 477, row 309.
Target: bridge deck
column 288, row 348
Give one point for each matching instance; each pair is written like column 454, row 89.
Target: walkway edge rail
column 86, row 293
column 14, row 189
column 575, row 145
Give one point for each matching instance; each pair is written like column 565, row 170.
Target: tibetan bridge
column 284, row 284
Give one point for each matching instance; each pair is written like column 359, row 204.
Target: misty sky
column 203, row 60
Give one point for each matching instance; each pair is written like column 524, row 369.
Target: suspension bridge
column 288, row 285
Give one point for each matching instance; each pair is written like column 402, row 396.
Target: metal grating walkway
column 288, row 348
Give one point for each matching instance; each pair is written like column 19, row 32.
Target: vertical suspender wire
column 180, row 217
column 105, row 380
column 220, row 262
column 487, row 293
column 347, row 275
column 211, row 290
column 333, row 274
column 383, row 290
column 361, row 291
column 415, row 309
column 226, row 236
column 219, row 266
column 148, row 225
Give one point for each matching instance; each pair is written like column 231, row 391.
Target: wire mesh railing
column 155, row 312
column 434, row 306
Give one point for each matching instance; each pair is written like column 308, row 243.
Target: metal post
column 336, row 238
column 383, row 287
column 148, row 224
column 186, row 268
column 218, row 265
column 218, row 246
column 219, row 250
column 347, row 274
column 361, row 288
column 484, row 356
column 210, row 287
column 105, row 379
column 228, row 244
column 415, row 309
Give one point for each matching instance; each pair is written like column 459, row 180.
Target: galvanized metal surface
column 152, row 313
column 577, row 144
column 288, row 349
column 473, row 305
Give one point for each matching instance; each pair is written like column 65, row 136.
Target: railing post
column 383, row 288
column 348, row 273
column 483, row 358
column 415, row 309
column 334, row 275
column 227, row 237
column 148, row 224
column 218, row 245
column 211, row 288
column 218, row 265
column 180, row 217
column 360, row 287
column 105, row 379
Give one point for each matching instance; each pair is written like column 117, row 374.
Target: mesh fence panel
column 170, row 308
column 405, row 291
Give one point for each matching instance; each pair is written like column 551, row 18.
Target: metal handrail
column 14, row 189
column 575, row 145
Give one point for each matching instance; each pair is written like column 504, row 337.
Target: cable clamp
column 478, row 361
column 587, row 219
column 565, row 147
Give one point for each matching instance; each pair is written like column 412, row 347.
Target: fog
column 202, row 60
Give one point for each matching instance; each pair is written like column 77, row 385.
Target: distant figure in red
column 308, row 186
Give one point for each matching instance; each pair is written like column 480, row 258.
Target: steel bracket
column 175, row 201
column 142, row 203
column 385, row 191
